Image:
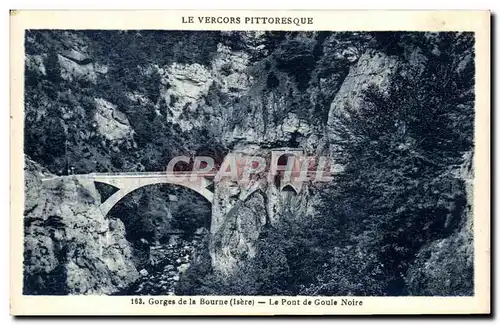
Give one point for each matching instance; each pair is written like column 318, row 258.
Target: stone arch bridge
column 129, row 182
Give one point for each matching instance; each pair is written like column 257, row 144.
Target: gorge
column 394, row 110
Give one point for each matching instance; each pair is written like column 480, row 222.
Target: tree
column 52, row 67
column 397, row 192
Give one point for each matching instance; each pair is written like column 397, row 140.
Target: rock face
column 74, row 69
column 187, row 86
column 373, row 69
column 239, row 217
column 35, row 63
column 112, row 124
column 236, row 239
column 131, row 101
column 70, row 247
column 241, row 210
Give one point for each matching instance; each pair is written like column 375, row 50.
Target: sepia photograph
column 249, row 163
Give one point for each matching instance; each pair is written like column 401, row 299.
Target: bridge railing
column 124, row 174
column 133, row 174
column 163, row 173
column 90, row 176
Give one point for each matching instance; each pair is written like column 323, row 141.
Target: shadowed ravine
column 168, row 261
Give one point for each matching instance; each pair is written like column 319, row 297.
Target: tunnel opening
column 283, row 159
column 288, row 189
column 165, row 225
column 281, row 163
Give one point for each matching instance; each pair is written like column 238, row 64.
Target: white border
column 477, row 4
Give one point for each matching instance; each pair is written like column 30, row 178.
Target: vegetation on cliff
column 395, row 109
column 397, row 220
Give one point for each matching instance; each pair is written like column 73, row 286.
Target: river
column 167, row 263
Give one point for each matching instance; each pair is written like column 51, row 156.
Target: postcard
column 250, row 162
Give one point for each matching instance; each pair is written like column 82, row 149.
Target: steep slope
column 70, row 247
column 100, row 101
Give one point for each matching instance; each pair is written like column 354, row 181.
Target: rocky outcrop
column 240, row 212
column 373, row 69
column 113, row 125
column 236, row 240
column 70, row 247
column 76, row 70
column 231, row 70
column 133, row 108
column 36, row 63
column 75, row 61
column 186, row 87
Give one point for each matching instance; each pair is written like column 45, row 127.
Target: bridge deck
column 96, row 176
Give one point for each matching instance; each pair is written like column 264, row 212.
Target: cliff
column 70, row 247
column 101, row 101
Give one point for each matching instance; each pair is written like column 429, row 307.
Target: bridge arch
column 129, row 182
column 186, row 207
column 290, row 188
column 128, row 185
column 160, row 219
